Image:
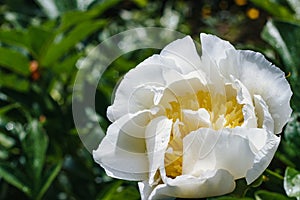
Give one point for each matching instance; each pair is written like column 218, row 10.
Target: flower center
column 223, row 112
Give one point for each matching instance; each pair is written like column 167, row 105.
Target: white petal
column 214, row 47
column 207, row 149
column 263, row 158
column 262, row 78
column 122, row 151
column 244, row 97
column 258, row 75
column 210, row 183
column 256, row 137
column 193, row 120
column 184, row 53
column 157, row 138
column 264, row 117
column 130, row 94
column 145, row 190
column 269, row 82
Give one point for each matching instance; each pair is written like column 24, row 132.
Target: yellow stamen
column 231, row 110
column 234, row 114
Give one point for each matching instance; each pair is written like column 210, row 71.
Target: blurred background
column 42, row 43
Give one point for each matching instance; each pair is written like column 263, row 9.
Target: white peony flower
column 189, row 126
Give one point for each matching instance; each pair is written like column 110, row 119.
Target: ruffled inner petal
column 207, row 149
column 157, row 138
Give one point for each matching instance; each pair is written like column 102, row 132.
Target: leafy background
column 41, row 44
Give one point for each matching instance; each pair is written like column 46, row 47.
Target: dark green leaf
column 229, row 198
column 282, row 36
column 117, row 191
column 10, row 80
column 262, row 195
column 292, row 132
column 9, row 107
column 80, row 32
column 38, row 40
column 35, row 145
column 292, row 182
column 72, row 18
column 50, row 175
column 14, row 177
column 67, row 65
column 14, row 37
column 14, row 61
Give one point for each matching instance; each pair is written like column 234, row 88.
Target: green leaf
column 283, row 37
column 67, row 64
column 263, row 195
column 295, row 5
column 50, row 175
column 275, row 9
column 13, row 37
column 9, row 107
column 10, row 80
column 14, row 177
column 292, row 182
column 34, row 146
column 38, row 40
column 117, row 191
column 229, row 198
column 14, row 61
column 80, row 32
column 72, row 18
column 292, row 132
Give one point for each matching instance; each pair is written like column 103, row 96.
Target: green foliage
column 281, row 36
column 42, row 41
column 292, row 182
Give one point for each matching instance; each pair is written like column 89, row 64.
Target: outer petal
column 122, row 151
column 157, row 138
column 184, row 53
column 210, row 183
column 263, row 158
column 264, row 79
column 258, row 75
column 214, row 47
column 207, row 149
column 129, row 92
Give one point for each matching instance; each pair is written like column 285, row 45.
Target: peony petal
column 184, row 53
column 263, row 158
column 145, row 189
column 257, row 74
column 264, row 79
column 122, row 151
column 265, row 119
column 157, row 138
column 244, row 97
column 129, row 90
column 207, row 149
column 257, row 137
column 193, row 120
column 214, row 47
column 210, row 183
